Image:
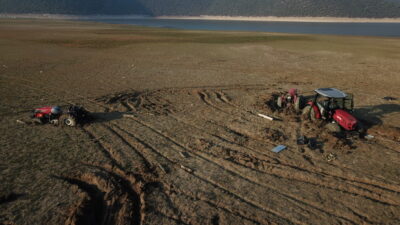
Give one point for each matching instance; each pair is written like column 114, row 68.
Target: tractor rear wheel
column 306, row 113
column 67, row 120
column 297, row 103
column 279, row 102
column 333, row 127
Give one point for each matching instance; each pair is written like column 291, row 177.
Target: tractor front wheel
column 67, row 120
column 313, row 114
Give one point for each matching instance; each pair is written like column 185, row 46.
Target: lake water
column 360, row 29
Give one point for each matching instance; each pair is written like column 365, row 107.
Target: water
column 359, row 29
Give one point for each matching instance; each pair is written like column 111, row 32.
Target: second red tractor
column 334, row 106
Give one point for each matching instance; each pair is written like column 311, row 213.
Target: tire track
column 204, row 97
column 280, row 171
column 211, row 160
column 146, row 145
column 120, row 155
column 339, row 190
column 288, row 197
column 110, row 199
column 176, row 220
column 147, row 164
column 143, row 146
column 205, row 180
column 356, row 193
column 238, row 196
column 225, row 209
column 223, row 97
column 283, row 167
column 384, row 187
column 109, row 153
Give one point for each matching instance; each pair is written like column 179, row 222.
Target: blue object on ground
column 279, row 148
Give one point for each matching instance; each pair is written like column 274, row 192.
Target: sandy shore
column 207, row 17
column 288, row 19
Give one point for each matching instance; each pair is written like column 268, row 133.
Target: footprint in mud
column 275, row 135
column 389, row 132
column 338, row 143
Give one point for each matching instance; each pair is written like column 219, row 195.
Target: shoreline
column 287, row 19
column 207, row 17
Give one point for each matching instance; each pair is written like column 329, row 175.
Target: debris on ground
column 369, row 137
column 302, row 140
column 330, row 157
column 312, row 143
column 275, row 135
column 21, row 122
column 265, row 116
column 162, row 168
column 184, row 154
column 186, row 169
column 389, row 98
column 279, row 148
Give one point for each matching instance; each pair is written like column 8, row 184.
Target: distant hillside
column 332, row 8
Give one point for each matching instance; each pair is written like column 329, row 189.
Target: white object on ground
column 184, row 154
column 162, row 168
column 265, row 116
column 369, row 136
column 186, row 169
column 20, row 122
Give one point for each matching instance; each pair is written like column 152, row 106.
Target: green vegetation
column 336, row 8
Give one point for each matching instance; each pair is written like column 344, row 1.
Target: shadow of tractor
column 101, row 117
column 10, row 197
column 372, row 115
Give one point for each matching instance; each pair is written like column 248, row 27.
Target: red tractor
column 334, row 106
column 290, row 99
column 54, row 115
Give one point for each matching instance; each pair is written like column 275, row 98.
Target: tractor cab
column 333, row 105
column 330, row 99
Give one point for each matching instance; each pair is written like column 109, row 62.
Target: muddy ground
column 177, row 139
